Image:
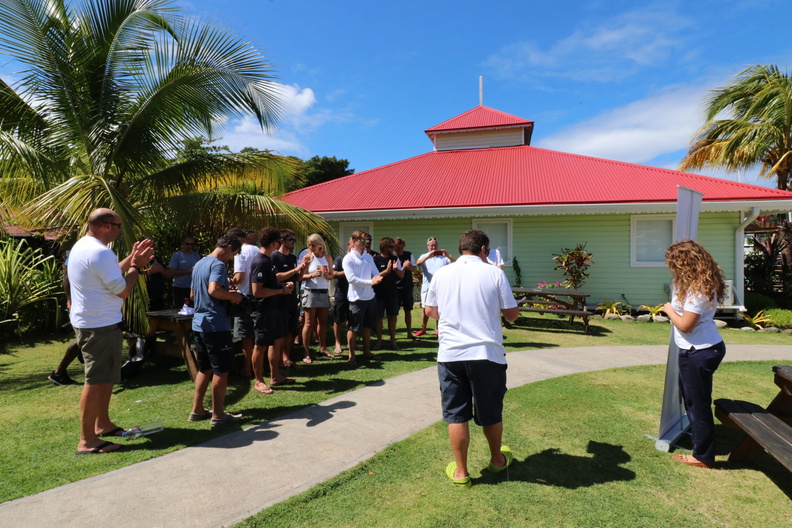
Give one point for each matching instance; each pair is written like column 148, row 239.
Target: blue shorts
column 472, row 390
column 405, row 296
column 243, row 327
column 268, row 326
column 340, row 310
column 215, row 351
column 389, row 305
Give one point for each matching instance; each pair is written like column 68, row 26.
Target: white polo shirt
column 96, row 281
column 469, row 295
column 359, row 270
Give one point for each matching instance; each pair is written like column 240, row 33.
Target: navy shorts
column 215, row 351
column 362, row 314
column 340, row 310
column 472, row 390
column 406, row 299
column 267, row 327
column 290, row 315
column 389, row 305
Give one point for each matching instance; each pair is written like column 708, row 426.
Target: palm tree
column 103, row 96
column 749, row 124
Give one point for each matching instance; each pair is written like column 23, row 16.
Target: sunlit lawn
column 39, row 432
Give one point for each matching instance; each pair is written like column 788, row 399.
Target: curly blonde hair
column 694, row 271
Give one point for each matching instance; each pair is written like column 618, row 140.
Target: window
column 650, row 236
column 500, row 235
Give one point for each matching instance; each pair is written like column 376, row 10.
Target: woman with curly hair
column 697, row 286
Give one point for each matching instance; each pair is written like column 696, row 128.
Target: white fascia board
column 765, row 207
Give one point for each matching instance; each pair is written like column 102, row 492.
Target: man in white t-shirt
column 243, row 324
column 494, row 257
column 98, row 289
column 468, row 298
column 362, row 275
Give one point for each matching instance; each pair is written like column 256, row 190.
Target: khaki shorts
column 101, row 348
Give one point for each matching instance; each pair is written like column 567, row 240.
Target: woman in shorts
column 315, row 296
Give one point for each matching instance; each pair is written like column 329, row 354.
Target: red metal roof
column 507, row 176
column 479, row 117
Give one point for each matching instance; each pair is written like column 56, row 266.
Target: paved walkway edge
column 233, row 477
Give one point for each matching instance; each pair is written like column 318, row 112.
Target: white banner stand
column 673, row 418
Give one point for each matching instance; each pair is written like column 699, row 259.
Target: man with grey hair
column 429, row 263
column 98, row 289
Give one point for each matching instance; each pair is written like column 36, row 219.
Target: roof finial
column 481, row 90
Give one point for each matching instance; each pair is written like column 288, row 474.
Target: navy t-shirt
column 262, row 271
column 387, row 287
column 342, row 284
column 407, row 280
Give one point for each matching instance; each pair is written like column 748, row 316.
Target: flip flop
column 507, row 454
column 690, row 461
column 463, row 482
column 118, row 431
column 307, row 360
column 98, row 449
column 268, row 390
column 371, row 356
column 328, row 355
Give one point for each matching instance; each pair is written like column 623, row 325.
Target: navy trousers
column 696, row 368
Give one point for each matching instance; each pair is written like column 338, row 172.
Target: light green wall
column 536, row 238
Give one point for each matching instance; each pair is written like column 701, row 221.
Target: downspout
column 739, row 256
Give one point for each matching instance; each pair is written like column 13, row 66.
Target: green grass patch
column 39, row 433
column 581, row 460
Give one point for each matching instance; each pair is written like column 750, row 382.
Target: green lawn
column 38, row 435
column 579, row 462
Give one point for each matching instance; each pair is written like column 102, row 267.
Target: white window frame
column 368, row 227
column 481, row 224
column 634, row 221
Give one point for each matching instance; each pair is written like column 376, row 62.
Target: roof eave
column 765, row 207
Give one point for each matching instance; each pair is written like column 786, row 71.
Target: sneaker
column 196, row 417
column 230, row 418
column 419, row 333
column 61, row 379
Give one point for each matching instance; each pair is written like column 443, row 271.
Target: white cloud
column 640, row 131
column 613, row 49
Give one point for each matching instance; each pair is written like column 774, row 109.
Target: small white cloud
column 614, row 49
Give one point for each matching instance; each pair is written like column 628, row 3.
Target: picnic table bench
column 768, row 429
column 180, row 327
column 555, row 300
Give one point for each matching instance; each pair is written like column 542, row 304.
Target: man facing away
column 211, row 327
column 243, row 324
column 180, row 269
column 98, row 290
column 362, row 276
column 468, row 298
column 430, row 262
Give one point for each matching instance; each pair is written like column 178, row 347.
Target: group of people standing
column 467, row 296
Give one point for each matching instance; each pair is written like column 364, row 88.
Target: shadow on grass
column 553, row 468
column 560, row 325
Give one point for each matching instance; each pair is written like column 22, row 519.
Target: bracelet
column 135, row 268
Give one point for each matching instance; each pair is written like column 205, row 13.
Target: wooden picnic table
column 555, row 300
column 180, row 327
column 767, row 429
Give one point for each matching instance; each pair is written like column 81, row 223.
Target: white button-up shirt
column 359, row 269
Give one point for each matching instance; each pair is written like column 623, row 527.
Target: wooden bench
column 584, row 316
column 768, row 429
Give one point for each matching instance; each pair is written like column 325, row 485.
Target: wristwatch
column 135, row 267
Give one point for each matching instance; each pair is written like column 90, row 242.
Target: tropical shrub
column 780, row 318
column 574, row 263
column 758, row 301
column 30, row 287
column 610, row 307
column 654, row 311
column 759, row 320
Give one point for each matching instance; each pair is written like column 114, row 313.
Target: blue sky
column 612, row 79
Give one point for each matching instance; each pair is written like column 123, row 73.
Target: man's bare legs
column 494, row 435
column 259, row 352
column 276, row 362
column 247, row 352
column 408, row 321
column 202, row 379
column 459, row 436
column 94, row 417
column 219, row 386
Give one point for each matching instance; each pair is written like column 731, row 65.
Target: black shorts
column 215, row 351
column 267, row 327
column 472, row 390
column 362, row 314
column 389, row 304
column 243, row 327
column 341, row 310
column 290, row 315
column 406, row 299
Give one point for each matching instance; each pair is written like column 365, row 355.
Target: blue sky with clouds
column 613, row 79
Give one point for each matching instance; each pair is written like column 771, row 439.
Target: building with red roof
column 533, row 202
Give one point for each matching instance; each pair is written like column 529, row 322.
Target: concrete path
column 218, row 483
